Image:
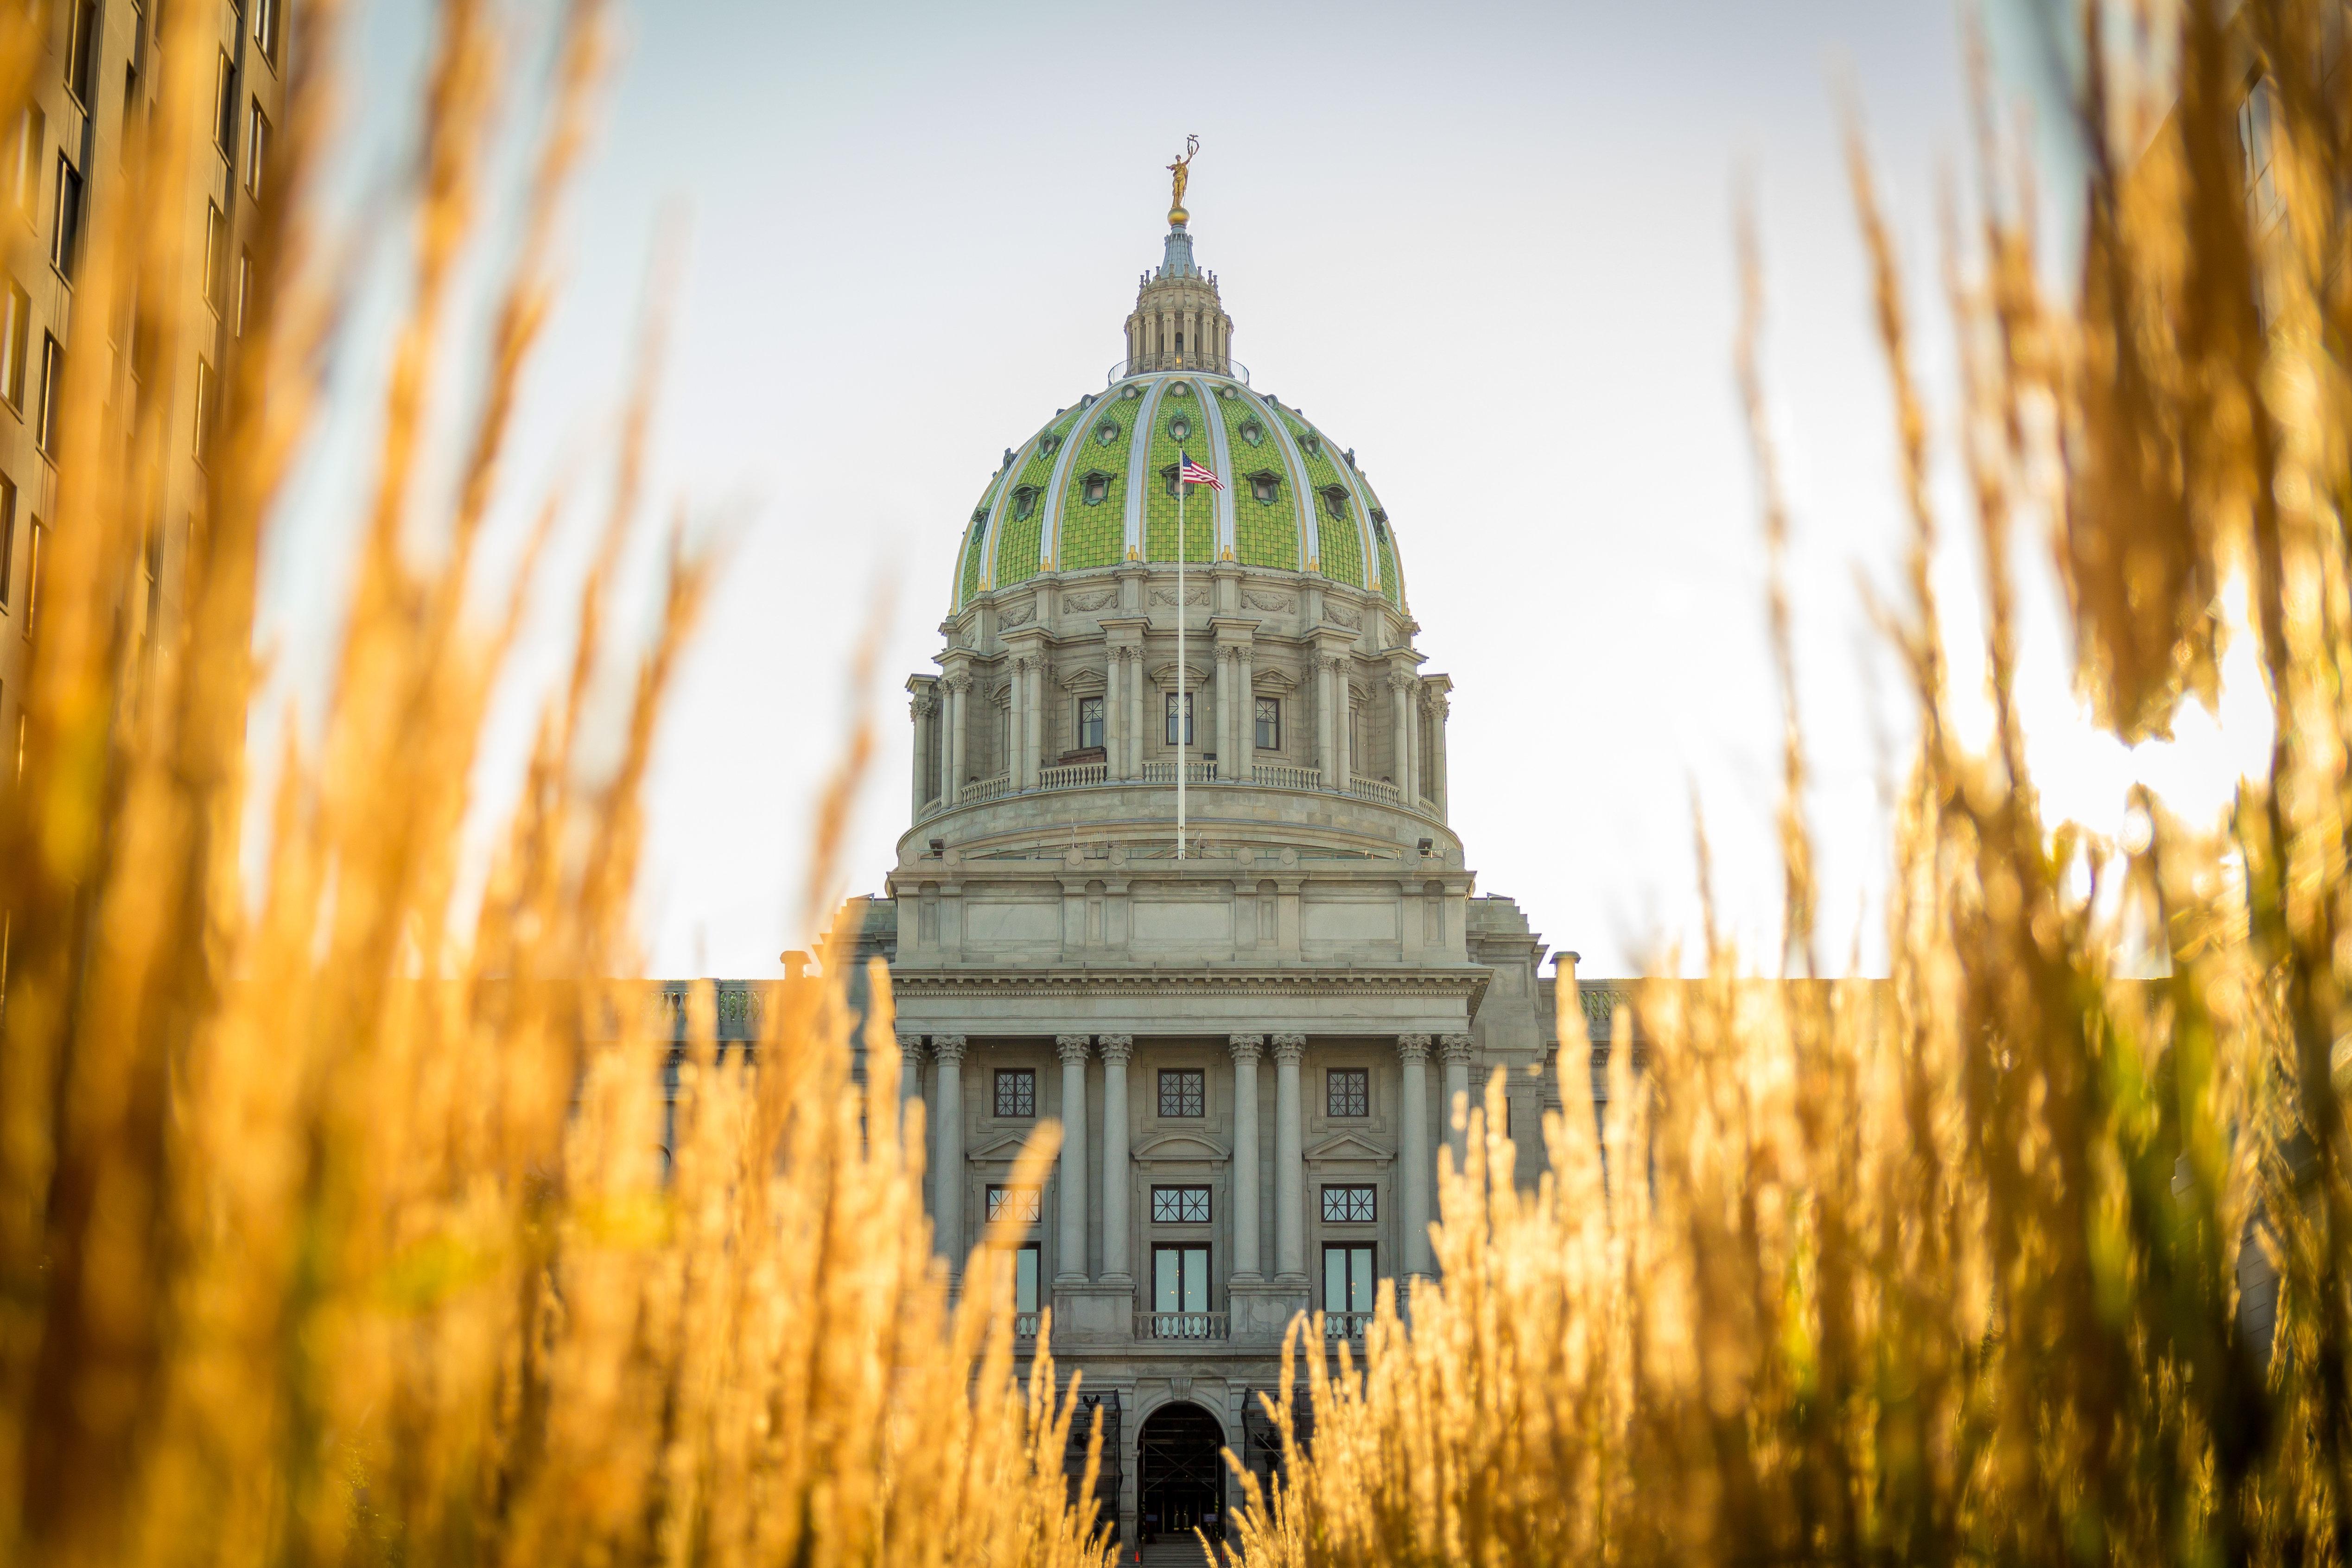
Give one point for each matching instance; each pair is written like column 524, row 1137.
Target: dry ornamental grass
column 331, row 1226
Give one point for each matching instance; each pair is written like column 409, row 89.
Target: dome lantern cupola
column 1178, row 323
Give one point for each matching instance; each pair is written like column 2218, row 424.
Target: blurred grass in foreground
column 331, row 1230
column 1972, row 1267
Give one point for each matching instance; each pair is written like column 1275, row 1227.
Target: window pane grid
column 1348, row 1092
column 1349, row 1205
column 1021, row 1204
column 1180, row 1206
column 1269, row 724
column 1016, row 1092
column 1183, row 1092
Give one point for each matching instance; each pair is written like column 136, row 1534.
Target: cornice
column 1469, row 982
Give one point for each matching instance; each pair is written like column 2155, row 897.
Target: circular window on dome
column 1180, row 428
column 1226, row 392
column 1107, row 431
column 1180, row 389
column 1253, row 432
column 1049, row 444
column 1129, row 395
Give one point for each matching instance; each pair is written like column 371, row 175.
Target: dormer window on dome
column 1311, row 444
column 1253, row 432
column 1335, row 501
column 1180, row 428
column 1107, row 431
column 1095, row 489
column 1049, row 444
column 1266, row 486
column 1025, row 502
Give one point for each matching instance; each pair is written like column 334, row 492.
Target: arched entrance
column 1179, row 1473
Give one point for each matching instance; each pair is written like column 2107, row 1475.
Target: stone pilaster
column 1071, row 1266
column 1455, row 1050
column 1290, row 1161
column 947, row 1143
column 1247, row 1264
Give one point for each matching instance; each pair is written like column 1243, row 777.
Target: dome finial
column 1182, row 170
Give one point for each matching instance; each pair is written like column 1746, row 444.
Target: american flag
column 1191, row 473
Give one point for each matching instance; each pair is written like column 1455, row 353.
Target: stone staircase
column 1168, row 1554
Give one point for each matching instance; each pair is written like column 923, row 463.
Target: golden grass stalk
column 334, row 1224
column 1977, row 1264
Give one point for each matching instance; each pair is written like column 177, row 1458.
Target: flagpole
column 1184, row 699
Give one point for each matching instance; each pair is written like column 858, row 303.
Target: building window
column 15, row 345
column 256, row 148
column 1350, row 1205
column 1187, row 738
column 266, row 22
column 130, row 115
column 1025, row 502
column 1016, row 1092
column 207, row 394
column 1017, row 1204
column 1183, row 1091
column 1347, row 1286
column 53, row 376
column 244, row 291
column 1090, row 722
column 25, row 159
column 7, row 536
column 216, row 259
column 39, row 537
column 224, row 108
column 1107, row 431
column 1025, row 1275
column 1180, row 1284
column 1348, row 1092
column 1335, row 501
column 1266, row 486
column 1269, row 724
column 1180, row 1206
column 1180, row 428
column 1097, row 488
column 82, row 51
column 1253, row 432
column 65, row 239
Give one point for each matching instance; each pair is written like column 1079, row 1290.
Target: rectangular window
column 1347, row 1283
column 1269, row 724
column 224, row 108
column 1183, row 1091
column 33, row 585
column 208, row 393
column 1180, row 1281
column 215, row 258
column 1090, row 722
column 266, row 23
column 1349, row 1205
column 256, row 148
column 1180, row 1206
column 25, row 159
column 16, row 344
column 7, row 536
column 130, row 115
column 81, row 50
column 1187, row 740
column 1016, row 1092
column 65, row 239
column 1025, row 1273
column 53, row 376
column 1018, row 1204
column 1348, row 1092
column 243, row 292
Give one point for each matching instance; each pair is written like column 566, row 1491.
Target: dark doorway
column 1181, row 1473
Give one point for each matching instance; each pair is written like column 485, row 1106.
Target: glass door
column 1346, row 1290
column 1180, row 1293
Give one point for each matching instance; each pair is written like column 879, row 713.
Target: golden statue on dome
column 1182, row 170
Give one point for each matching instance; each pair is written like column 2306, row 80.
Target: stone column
column 1246, row 754
column 1400, row 723
column 1115, row 714
column 1224, row 658
column 910, row 1071
column 1455, row 1050
column 947, row 1143
column 1245, row 1049
column 1116, row 1051
column 1137, row 715
column 1289, row 1162
column 1016, row 694
column 1037, row 696
column 1414, row 1159
column 1073, row 1268
column 1326, row 729
column 1438, row 709
column 1335, row 771
column 959, row 688
column 922, row 709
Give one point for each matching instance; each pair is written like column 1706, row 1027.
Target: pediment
column 1271, row 680
column 1083, row 680
column 1179, row 1147
column 1005, row 1146
column 1348, row 1146
column 1195, row 676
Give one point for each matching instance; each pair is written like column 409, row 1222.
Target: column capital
column 910, row 1046
column 1413, row 1047
column 1117, row 1047
column 1455, row 1047
column 1289, row 1046
column 957, row 682
column 1245, row 1047
column 1403, row 680
column 948, row 1047
column 1072, row 1048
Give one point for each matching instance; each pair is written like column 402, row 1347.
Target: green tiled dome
column 1094, row 487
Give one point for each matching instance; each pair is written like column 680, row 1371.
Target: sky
column 1489, row 246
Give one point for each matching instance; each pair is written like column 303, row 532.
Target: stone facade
column 1253, row 1040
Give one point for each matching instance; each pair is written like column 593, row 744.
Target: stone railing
column 987, row 789
column 1075, row 776
column 1180, row 1326
column 1170, row 359
column 1376, row 789
column 1024, row 1325
column 1281, row 776
column 1345, row 1325
column 1194, row 773
column 1162, row 775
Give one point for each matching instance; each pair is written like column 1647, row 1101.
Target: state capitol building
column 1251, row 1045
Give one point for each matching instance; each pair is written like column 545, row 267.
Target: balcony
column 1175, row 359
column 1180, row 1326
column 1337, row 1326
column 1024, row 1325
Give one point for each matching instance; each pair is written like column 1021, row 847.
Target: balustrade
column 1181, row 1325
